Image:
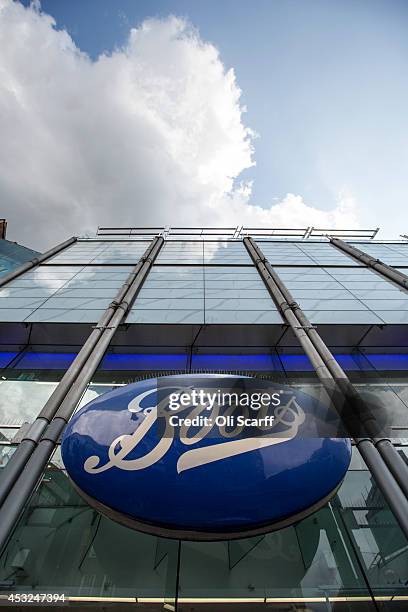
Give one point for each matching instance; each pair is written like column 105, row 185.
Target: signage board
column 205, row 457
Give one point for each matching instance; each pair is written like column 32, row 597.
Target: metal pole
column 389, row 487
column 376, row 264
column 352, row 400
column 107, row 323
column 347, row 402
column 395, row 462
column 24, row 486
column 32, row 263
column 390, row 455
column 283, row 306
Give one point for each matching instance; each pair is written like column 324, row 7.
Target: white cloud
column 150, row 134
column 291, row 212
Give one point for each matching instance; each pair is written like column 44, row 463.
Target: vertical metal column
column 317, row 351
column 392, row 458
column 33, row 435
column 23, row 473
column 376, row 264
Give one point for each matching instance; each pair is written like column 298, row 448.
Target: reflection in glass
column 63, row 546
column 22, row 400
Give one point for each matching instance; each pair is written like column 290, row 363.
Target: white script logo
column 289, row 415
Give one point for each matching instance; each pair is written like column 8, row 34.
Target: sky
column 266, row 113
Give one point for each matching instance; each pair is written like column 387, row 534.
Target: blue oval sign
column 163, row 457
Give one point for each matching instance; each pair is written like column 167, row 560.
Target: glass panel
column 307, row 253
column 174, row 284
column 37, row 296
column 232, row 253
column 242, row 293
column 103, row 273
column 102, row 252
column 8, row 434
column 234, row 272
column 392, row 254
column 22, row 400
column 374, row 534
column 26, row 292
column 343, row 318
column 174, row 272
column 6, row 453
column 380, row 294
column 14, row 315
column 399, row 304
column 242, row 316
column 323, row 304
column 303, row 565
column 179, row 306
column 74, row 303
column 76, row 315
column 181, row 252
column 237, row 295
column 174, row 292
column 87, row 290
column 238, row 283
column 165, row 303
column 93, row 391
column 21, row 302
column 390, row 316
column 164, row 316
column 63, row 546
column 231, row 303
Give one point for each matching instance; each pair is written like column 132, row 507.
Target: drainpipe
column 390, row 488
column 376, row 264
column 23, row 474
column 390, row 455
column 350, row 399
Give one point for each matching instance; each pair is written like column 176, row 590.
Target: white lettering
column 291, row 415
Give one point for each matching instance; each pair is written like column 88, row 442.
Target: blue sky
column 324, row 83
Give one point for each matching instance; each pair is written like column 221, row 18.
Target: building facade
column 12, row 254
column 203, row 301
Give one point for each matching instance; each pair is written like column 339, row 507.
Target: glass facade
column 102, row 252
column 345, row 295
column 351, row 551
column 351, row 548
column 350, row 555
column 392, row 253
column 304, row 254
column 63, row 293
column 206, row 283
column 13, row 255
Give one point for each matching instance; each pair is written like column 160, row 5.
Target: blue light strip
column 234, row 362
column 388, row 362
column 296, row 363
column 133, row 361
column 258, row 362
column 5, row 359
column 45, row 361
